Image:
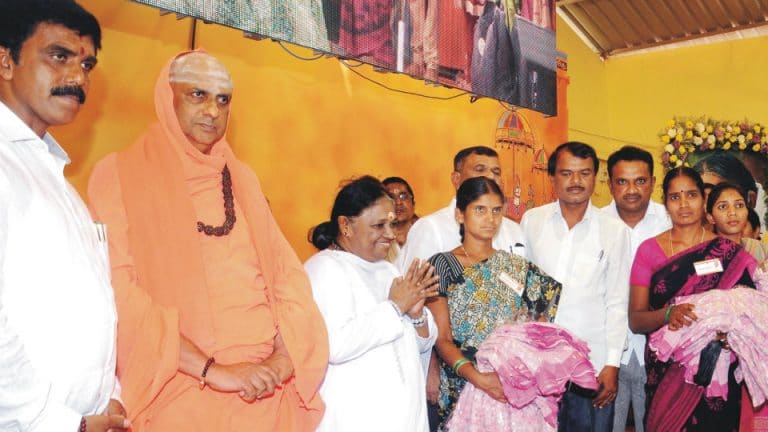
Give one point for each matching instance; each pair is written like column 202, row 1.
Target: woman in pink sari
column 687, row 259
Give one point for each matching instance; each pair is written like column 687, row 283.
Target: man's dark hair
column 576, row 148
column 458, row 160
column 629, row 154
column 19, row 20
column 389, row 180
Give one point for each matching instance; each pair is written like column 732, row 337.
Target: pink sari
column 674, row 404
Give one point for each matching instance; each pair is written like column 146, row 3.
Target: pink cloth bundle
column 740, row 312
column 534, row 362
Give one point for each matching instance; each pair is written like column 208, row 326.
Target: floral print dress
column 501, row 289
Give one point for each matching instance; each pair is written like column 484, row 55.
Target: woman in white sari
column 376, row 319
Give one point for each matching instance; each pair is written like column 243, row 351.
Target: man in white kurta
column 631, row 181
column 588, row 252
column 374, row 380
column 57, row 313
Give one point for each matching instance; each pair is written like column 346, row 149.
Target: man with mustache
column 57, row 312
column 631, row 182
column 218, row 330
column 588, row 252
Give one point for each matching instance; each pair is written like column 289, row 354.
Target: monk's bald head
column 202, row 90
column 200, row 66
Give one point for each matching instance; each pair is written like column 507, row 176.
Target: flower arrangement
column 682, row 137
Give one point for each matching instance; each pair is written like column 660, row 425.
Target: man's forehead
column 57, row 35
column 203, row 71
column 476, row 159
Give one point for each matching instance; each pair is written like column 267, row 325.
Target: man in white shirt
column 588, row 252
column 631, row 181
column 57, row 312
column 439, row 232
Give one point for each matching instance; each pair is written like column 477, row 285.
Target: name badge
column 708, row 266
column 511, row 283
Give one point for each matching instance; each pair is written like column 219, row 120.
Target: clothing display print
column 501, row 289
column 674, row 404
column 297, row 21
column 365, row 30
column 534, row 362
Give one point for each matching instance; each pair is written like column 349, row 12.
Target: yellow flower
column 670, row 123
column 704, row 135
column 678, row 164
column 727, row 146
column 679, row 138
column 687, row 164
column 742, row 146
column 756, row 129
column 682, row 150
column 732, row 138
column 673, row 158
column 665, row 138
column 736, row 130
column 689, row 124
column 709, row 129
column 727, row 135
column 689, row 134
column 749, row 136
column 763, row 139
column 756, row 147
column 669, row 148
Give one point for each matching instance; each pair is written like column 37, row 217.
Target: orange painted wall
column 302, row 126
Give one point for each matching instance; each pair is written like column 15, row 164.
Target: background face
column 404, row 201
column 631, row 185
column 53, row 57
column 729, row 214
column 574, row 179
column 476, row 165
column 203, row 110
column 371, row 233
column 685, row 203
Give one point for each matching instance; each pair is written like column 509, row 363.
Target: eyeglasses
column 401, row 196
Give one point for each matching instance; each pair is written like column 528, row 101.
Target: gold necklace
column 466, row 254
column 672, row 248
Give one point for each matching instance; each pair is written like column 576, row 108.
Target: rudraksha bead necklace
column 229, row 209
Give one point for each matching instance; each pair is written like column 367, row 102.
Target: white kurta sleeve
column 25, row 400
column 352, row 330
column 425, row 344
column 423, row 242
column 617, row 296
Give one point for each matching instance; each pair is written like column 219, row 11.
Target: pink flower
column 719, row 133
column 665, row 157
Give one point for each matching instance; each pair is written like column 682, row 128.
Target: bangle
column 459, row 363
column 83, row 425
column 208, row 364
column 397, row 309
column 666, row 315
column 420, row 321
